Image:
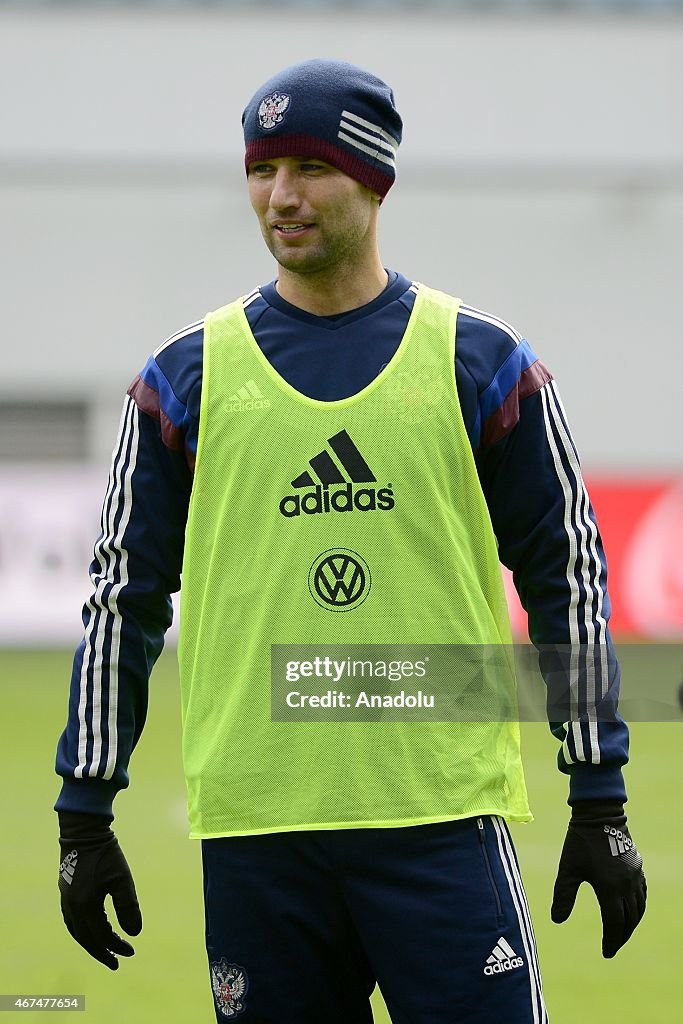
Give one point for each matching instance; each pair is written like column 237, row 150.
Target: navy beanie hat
column 331, row 110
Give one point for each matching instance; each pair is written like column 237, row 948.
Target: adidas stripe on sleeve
column 136, row 566
column 548, row 537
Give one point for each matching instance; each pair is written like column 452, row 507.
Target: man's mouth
column 291, row 229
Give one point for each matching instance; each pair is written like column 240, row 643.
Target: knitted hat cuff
column 299, row 144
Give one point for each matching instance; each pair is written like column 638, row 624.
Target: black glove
column 92, row 866
column 598, row 849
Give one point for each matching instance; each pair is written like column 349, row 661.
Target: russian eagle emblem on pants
column 229, row 983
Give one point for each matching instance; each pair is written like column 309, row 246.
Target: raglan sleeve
column 135, row 569
column 548, row 537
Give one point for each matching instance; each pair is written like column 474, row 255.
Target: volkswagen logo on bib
column 339, row 580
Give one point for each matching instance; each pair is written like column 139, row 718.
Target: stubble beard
column 342, row 251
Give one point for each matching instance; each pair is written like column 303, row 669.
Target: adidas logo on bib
column 247, row 398
column 502, row 959
column 329, row 471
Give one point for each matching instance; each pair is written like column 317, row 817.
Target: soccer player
column 341, row 457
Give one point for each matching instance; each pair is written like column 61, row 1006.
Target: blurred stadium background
column 541, row 177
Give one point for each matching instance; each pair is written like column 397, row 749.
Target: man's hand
column 93, row 865
column 598, row 849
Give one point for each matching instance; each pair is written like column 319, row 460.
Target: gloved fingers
column 613, row 913
column 631, row 915
column 635, row 908
column 564, row 895
column 126, row 905
column 102, row 932
column 92, row 923
column 83, row 936
column 621, row 914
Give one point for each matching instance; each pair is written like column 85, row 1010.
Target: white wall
column 541, row 177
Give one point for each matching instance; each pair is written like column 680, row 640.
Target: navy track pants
column 300, row 926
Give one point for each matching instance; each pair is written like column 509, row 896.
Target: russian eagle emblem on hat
column 272, row 109
column 229, row 983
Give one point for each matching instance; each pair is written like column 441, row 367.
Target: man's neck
column 327, row 294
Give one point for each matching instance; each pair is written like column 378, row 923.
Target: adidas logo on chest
column 332, row 486
column 247, row 398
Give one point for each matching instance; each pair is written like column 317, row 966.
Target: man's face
column 313, row 216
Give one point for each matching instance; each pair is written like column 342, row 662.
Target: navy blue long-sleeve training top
column 528, row 468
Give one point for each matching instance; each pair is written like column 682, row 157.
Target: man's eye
column 312, row 167
column 260, row 168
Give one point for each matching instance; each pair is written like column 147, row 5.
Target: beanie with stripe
column 329, row 110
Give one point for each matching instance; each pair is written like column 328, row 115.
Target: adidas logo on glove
column 619, row 843
column 68, row 866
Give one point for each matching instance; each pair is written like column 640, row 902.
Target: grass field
column 167, row 980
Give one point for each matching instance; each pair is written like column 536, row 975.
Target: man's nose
column 285, row 193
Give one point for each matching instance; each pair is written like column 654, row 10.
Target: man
column 339, row 458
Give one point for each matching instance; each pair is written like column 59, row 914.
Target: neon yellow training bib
column 288, row 493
